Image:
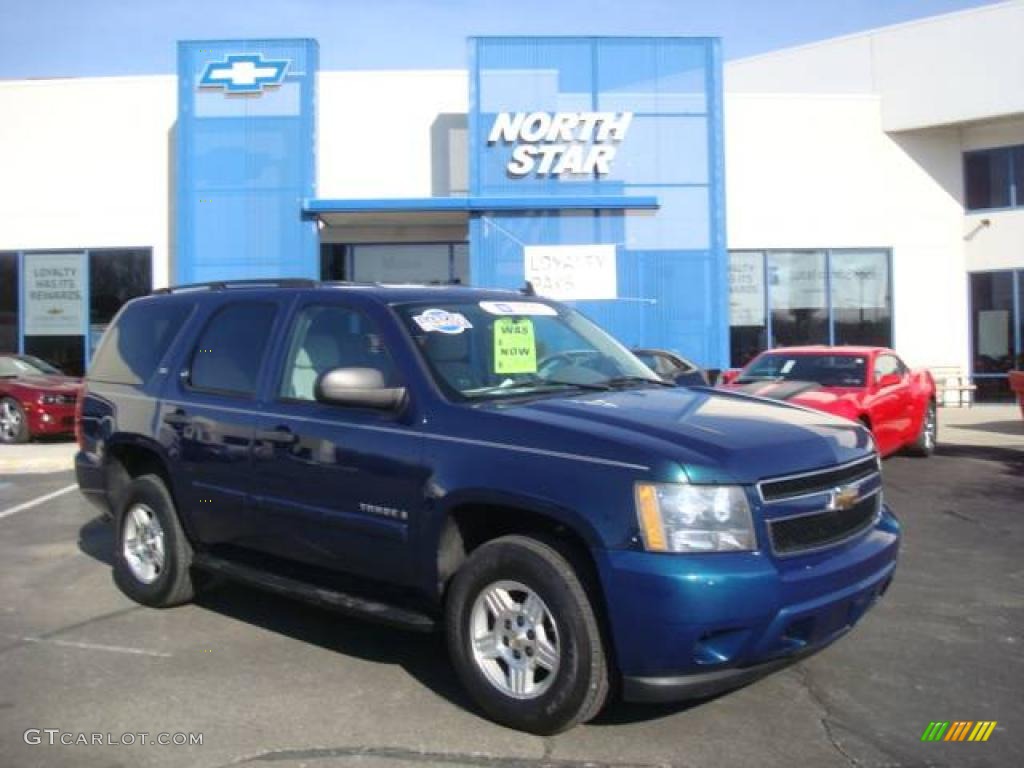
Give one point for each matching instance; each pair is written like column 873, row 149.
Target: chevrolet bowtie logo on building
column 842, row 499
column 244, row 73
column 958, row 730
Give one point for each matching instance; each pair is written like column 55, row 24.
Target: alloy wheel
column 930, row 428
column 10, row 421
column 514, row 639
column 143, row 545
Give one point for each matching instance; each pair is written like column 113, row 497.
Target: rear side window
column 229, row 352
column 133, row 347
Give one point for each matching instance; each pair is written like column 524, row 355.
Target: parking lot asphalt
column 269, row 681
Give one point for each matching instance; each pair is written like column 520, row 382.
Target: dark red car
column 867, row 384
column 35, row 399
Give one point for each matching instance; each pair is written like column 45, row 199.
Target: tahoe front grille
column 820, row 481
column 822, row 529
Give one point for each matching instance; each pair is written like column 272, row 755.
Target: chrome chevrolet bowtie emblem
column 842, row 498
column 244, row 73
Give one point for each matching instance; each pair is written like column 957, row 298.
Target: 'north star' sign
column 552, row 144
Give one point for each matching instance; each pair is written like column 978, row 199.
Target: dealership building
column 867, row 189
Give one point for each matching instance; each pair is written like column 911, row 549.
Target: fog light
column 719, row 646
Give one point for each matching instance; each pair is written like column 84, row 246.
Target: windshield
column 25, row 365
column 827, row 370
column 493, row 349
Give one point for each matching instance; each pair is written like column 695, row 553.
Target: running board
column 334, row 600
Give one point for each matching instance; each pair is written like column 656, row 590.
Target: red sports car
column 867, row 384
column 35, row 399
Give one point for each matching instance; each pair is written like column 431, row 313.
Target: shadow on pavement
column 623, row 713
column 423, row 656
column 96, row 539
column 1012, row 459
column 1012, row 427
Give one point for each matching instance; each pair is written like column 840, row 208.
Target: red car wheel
column 13, row 423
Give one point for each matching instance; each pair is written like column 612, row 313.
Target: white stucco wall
column 84, row 163
column 1000, row 243
column 375, row 130
column 940, row 70
column 817, row 171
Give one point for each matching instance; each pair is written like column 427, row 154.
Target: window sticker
column 442, row 321
column 518, row 308
column 515, row 346
column 787, row 366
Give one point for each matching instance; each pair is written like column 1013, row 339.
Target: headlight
column 694, row 518
column 49, row 399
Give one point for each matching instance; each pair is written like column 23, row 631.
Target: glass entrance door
column 997, row 328
column 396, row 262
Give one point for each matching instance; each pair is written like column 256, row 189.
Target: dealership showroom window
column 56, row 285
column 793, row 298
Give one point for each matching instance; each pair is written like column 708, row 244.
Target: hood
column 809, row 394
column 52, row 383
column 716, row 435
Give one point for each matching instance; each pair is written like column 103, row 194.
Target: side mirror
column 357, row 387
column 693, row 377
column 888, row 380
column 729, row 376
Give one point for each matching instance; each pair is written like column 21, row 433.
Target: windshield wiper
column 616, row 380
column 528, row 386
column 596, row 386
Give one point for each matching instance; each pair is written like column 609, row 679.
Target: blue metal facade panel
column 245, row 160
column 672, row 265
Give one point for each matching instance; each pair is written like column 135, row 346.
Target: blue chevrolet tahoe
column 486, row 463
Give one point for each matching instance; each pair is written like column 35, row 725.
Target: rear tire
column 152, row 555
column 524, row 637
column 13, row 422
column 928, row 437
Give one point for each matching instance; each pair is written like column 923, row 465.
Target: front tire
column 927, row 438
column 13, row 422
column 524, row 638
column 152, row 556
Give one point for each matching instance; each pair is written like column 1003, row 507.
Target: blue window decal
column 244, row 73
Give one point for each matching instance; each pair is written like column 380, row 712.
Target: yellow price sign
column 515, row 346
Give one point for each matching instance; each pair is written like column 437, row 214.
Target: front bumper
column 691, row 626
column 56, row 419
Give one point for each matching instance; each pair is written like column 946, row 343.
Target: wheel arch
column 129, row 456
column 474, row 519
column 470, row 519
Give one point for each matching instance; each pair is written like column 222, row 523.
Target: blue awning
column 317, row 206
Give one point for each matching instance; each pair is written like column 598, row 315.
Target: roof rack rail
column 223, row 285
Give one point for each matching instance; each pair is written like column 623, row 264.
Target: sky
column 79, row 38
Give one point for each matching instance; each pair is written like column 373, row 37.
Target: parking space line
column 36, row 502
column 91, row 646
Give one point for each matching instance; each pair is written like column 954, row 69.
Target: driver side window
column 326, row 337
column 886, row 364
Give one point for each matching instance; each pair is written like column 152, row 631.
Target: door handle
column 177, row 419
column 281, row 435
